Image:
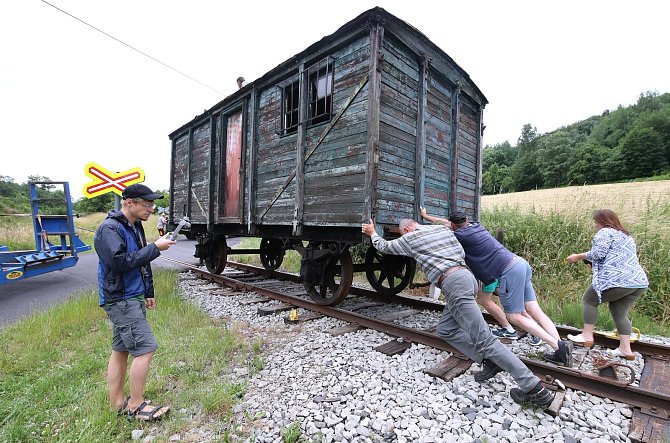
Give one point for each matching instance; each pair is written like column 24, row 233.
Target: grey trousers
column 462, row 325
column 620, row 301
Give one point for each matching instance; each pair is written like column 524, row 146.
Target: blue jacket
column 124, row 257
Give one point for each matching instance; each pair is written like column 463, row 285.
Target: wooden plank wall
column 397, row 133
column 180, row 172
column 275, row 160
column 200, row 153
column 335, row 173
column 468, row 147
column 439, row 152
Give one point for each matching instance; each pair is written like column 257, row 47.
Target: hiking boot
column 535, row 341
column 504, row 333
column 562, row 357
column 489, row 370
column 539, row 396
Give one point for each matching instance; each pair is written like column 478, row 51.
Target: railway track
column 650, row 399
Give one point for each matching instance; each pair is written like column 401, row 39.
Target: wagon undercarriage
column 326, row 268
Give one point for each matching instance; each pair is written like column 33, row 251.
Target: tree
column 101, row 203
column 643, row 153
column 589, row 164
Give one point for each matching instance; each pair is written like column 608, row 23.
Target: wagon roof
column 376, row 14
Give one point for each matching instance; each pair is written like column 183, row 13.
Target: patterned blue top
column 614, row 259
column 434, row 248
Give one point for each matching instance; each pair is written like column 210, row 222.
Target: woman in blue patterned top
column 618, row 279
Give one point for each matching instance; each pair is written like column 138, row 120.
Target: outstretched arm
column 434, row 219
column 398, row 246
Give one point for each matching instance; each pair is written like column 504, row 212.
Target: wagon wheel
column 388, row 274
column 339, row 276
column 272, row 253
column 218, row 255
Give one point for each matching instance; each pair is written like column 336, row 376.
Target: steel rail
column 582, row 381
column 643, row 347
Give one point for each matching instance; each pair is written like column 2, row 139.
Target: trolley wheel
column 272, row 253
column 218, row 255
column 338, row 280
column 388, row 274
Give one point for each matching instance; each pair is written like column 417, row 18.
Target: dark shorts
column 131, row 331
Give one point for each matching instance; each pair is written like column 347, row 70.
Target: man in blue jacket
column 126, row 290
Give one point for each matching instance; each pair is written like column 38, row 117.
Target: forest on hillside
column 15, row 198
column 627, row 143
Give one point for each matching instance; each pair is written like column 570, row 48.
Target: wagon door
column 231, row 202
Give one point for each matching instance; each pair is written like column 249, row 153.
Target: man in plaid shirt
column 441, row 257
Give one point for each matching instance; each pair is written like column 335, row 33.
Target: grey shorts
column 131, row 331
column 516, row 288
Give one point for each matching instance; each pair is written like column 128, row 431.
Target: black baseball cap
column 457, row 217
column 138, row 190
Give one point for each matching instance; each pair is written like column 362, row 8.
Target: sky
column 70, row 95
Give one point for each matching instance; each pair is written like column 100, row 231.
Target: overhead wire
column 134, row 48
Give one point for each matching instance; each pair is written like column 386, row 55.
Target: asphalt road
column 21, row 298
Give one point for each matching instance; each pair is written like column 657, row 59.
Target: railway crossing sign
column 105, row 181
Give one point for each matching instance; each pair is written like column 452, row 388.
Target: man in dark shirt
column 489, row 260
column 441, row 258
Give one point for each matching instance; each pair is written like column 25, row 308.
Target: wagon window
column 290, row 95
column 320, row 92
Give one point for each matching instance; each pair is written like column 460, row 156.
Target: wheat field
column 628, row 200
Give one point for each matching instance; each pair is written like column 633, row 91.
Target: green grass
column 18, row 234
column 53, row 371
column 546, row 239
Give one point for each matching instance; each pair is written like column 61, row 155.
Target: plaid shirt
column 434, row 248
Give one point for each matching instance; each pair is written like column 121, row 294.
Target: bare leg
column 486, row 300
column 139, row 369
column 533, row 308
column 587, row 333
column 624, row 345
column 116, row 375
column 523, row 321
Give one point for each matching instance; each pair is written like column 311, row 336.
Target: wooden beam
column 188, row 173
column 299, row 202
column 251, row 176
column 455, row 117
column 210, row 167
column 173, row 154
column 420, row 158
column 243, row 160
column 372, row 145
column 480, row 155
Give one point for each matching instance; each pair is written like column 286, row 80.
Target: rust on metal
column 650, row 424
column 652, row 396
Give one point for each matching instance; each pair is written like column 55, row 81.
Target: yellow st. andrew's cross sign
column 105, row 181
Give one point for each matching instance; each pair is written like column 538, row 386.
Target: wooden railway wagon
column 372, row 121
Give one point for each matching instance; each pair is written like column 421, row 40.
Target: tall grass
column 546, row 237
column 53, row 371
column 18, row 234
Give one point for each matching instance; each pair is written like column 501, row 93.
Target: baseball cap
column 457, row 217
column 138, row 190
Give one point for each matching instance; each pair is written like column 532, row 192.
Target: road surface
column 21, row 298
